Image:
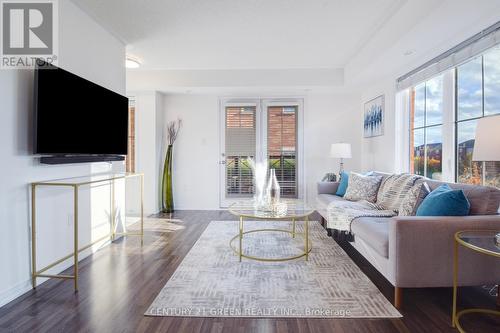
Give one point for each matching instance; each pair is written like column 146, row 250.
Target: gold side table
column 482, row 241
column 75, row 184
column 295, row 209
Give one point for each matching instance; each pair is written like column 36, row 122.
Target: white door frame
column 261, row 105
column 225, row 202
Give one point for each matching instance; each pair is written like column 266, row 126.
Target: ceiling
column 242, row 34
column 185, row 45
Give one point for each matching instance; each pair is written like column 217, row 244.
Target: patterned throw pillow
column 362, row 187
column 413, row 199
column 394, row 189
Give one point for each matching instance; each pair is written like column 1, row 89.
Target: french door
column 267, row 131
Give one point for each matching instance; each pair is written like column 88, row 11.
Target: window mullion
column 425, row 130
column 483, row 164
column 448, row 131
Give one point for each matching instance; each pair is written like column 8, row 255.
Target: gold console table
column 76, row 183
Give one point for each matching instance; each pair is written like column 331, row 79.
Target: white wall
column 196, row 151
column 149, row 148
column 375, row 73
column 379, row 153
column 87, row 50
column 328, row 118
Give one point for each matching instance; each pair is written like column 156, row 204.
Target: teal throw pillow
column 444, row 201
column 344, row 180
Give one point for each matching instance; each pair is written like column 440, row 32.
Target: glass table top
column 285, row 209
column 480, row 240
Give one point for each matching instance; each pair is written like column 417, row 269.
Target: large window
column 426, row 128
column 478, row 95
column 474, row 92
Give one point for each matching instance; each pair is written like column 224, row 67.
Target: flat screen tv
column 74, row 116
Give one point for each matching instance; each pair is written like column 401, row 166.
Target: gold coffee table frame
column 245, row 211
column 455, row 320
column 75, row 184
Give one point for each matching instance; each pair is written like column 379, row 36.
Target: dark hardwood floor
column 119, row 282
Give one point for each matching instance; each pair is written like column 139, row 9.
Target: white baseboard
column 11, row 293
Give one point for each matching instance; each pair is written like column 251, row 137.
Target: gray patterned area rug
column 211, row 282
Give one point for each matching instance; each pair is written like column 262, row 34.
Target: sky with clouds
column 470, row 91
column 429, row 97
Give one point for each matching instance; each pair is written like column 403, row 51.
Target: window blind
column 240, row 144
column 240, row 131
column 469, row 48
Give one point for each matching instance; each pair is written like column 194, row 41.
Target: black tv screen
column 76, row 116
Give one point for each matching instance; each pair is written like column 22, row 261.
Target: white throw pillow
column 362, row 187
column 413, row 199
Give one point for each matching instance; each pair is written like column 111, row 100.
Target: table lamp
column 340, row 150
column 487, row 144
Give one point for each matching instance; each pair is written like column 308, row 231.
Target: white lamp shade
column 340, row 150
column 487, row 144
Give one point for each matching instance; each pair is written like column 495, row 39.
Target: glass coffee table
column 481, row 241
column 291, row 210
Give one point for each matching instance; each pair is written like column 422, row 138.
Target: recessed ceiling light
column 132, row 63
column 408, row 52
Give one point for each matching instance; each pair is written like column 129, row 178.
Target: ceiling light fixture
column 132, row 63
column 408, row 52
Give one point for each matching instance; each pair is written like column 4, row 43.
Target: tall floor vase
column 167, row 196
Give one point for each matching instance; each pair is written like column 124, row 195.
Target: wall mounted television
column 76, row 120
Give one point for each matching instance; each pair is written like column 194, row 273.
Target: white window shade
column 240, row 131
column 240, row 143
column 470, row 48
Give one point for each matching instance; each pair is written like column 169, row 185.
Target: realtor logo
column 29, row 31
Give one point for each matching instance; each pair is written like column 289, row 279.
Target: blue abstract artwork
column 373, row 121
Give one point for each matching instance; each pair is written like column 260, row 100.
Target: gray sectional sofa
column 417, row 251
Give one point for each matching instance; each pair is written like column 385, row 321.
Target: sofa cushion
column 444, row 201
column 484, row 200
column 374, row 231
column 362, row 187
column 327, row 187
column 325, row 199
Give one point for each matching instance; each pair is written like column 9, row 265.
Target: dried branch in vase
column 173, row 128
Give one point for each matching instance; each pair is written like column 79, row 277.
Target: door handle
column 222, row 162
